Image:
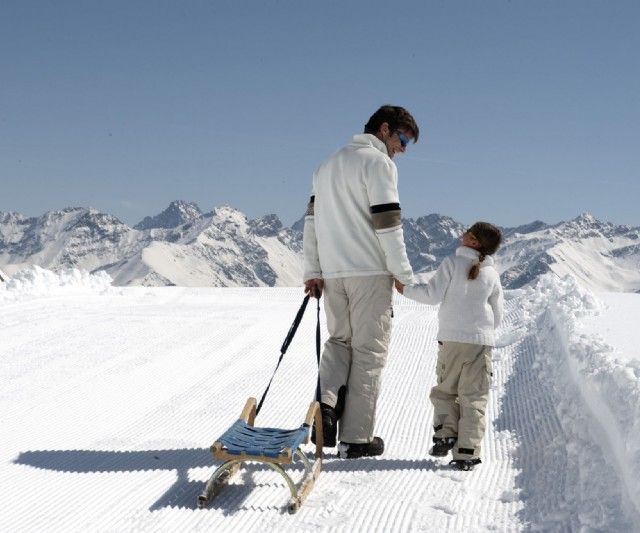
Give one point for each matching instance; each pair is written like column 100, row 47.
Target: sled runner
column 275, row 447
column 272, row 446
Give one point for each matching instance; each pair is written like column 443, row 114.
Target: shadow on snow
column 184, row 492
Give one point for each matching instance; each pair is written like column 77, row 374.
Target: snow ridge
column 610, row 387
column 35, row 281
column 602, row 390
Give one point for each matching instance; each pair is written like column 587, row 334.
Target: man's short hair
column 397, row 117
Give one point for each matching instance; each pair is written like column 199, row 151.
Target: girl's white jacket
column 340, row 239
column 470, row 310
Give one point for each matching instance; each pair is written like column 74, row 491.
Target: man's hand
column 314, row 287
column 399, row 286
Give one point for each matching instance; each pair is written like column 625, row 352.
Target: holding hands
column 399, row 286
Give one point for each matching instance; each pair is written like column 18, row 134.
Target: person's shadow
column 184, row 493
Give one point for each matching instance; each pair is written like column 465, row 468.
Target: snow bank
column 36, row 281
column 609, row 387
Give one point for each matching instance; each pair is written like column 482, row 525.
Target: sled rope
column 287, row 342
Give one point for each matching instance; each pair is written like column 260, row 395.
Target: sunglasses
column 404, row 140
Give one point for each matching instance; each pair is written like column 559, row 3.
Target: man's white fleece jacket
column 352, row 224
column 471, row 310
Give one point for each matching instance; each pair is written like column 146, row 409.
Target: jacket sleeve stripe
column 310, row 207
column 386, row 216
column 382, row 208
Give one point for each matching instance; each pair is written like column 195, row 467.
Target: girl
column 468, row 286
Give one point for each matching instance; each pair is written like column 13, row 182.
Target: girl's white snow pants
column 460, row 397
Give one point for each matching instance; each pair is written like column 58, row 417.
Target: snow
column 588, row 262
column 618, row 317
column 111, row 396
column 285, row 262
column 36, row 281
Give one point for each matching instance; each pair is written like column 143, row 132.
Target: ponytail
column 475, row 268
column 489, row 237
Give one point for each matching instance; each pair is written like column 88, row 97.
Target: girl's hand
column 399, row 286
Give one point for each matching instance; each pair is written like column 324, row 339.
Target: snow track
column 110, row 401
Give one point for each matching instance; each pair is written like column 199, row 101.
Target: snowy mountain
column 221, row 248
column 67, row 238
column 601, row 255
column 183, row 246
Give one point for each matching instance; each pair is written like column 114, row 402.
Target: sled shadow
column 184, row 492
column 181, row 494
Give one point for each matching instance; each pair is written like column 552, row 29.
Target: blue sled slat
column 269, row 442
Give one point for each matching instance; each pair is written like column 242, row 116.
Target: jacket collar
column 465, row 251
column 366, row 139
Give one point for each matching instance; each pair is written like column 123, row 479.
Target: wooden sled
column 272, row 446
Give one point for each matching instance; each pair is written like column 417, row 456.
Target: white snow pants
column 460, row 397
column 358, row 313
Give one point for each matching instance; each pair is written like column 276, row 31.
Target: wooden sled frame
column 231, row 462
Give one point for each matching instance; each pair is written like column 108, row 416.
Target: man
column 354, row 250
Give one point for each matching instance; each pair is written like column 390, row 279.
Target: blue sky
column 527, row 110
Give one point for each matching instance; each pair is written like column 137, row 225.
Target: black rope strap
column 318, row 395
column 287, row 342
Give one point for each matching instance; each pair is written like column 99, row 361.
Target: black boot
column 329, row 426
column 348, row 450
column 465, row 464
column 340, row 402
column 442, row 446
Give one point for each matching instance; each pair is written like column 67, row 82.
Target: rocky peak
column 59, row 216
column 226, row 213
column 585, row 219
column 7, row 217
column 179, row 212
column 587, row 226
column 532, row 227
column 267, row 226
column 429, row 239
column 439, row 227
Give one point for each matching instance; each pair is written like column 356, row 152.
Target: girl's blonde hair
column 489, row 237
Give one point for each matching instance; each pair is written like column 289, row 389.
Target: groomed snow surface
column 110, row 398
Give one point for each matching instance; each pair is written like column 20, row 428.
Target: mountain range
column 184, row 246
